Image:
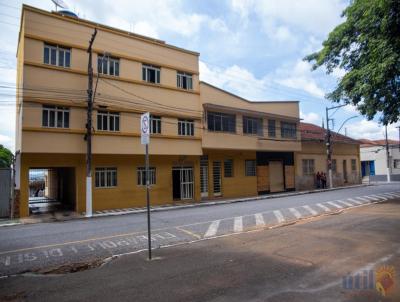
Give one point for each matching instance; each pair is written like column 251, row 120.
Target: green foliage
column 5, row 157
column 367, row 47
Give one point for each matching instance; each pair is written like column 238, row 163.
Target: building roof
column 365, row 143
column 311, row 132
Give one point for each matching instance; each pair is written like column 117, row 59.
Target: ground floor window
column 396, row 163
column 141, row 176
column 228, row 168
column 353, row 165
column 334, row 166
column 308, row 167
column 106, row 177
column 250, row 167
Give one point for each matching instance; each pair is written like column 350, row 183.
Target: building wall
column 317, row 151
column 378, row 155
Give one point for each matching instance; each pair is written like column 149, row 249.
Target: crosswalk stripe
column 279, row 216
column 259, row 219
column 238, row 224
column 355, row 200
column 390, row 194
column 371, row 198
column 212, row 229
column 308, row 208
column 334, row 204
column 380, row 197
column 345, row 202
column 326, row 209
column 362, row 199
column 295, row 213
column 394, row 194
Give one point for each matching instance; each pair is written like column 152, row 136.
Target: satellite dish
column 59, row 3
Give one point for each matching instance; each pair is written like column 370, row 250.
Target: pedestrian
column 318, row 178
column 323, row 179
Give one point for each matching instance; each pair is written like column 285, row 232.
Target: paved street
column 43, row 247
column 306, row 261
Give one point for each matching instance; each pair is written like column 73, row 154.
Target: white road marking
column 390, row 195
column 326, row 209
column 279, row 216
column 371, row 198
column 354, row 200
column 308, row 208
column 334, row 204
column 345, row 202
column 361, row 198
column 212, row 229
column 380, row 197
column 238, row 224
column 259, row 219
column 295, row 213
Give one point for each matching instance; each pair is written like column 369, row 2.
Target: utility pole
column 399, row 136
column 89, row 129
column 387, row 155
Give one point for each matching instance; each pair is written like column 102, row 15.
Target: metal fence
column 5, row 192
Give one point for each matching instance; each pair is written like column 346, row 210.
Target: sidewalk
column 66, row 216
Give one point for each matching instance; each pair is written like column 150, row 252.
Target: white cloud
column 145, row 29
column 371, row 130
column 311, row 117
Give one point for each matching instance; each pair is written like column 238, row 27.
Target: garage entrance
column 51, row 190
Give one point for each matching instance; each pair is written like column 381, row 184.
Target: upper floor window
column 57, row 55
column 151, row 73
column 155, row 124
column 184, row 80
column 252, row 125
column 105, row 177
column 108, row 65
column 288, row 130
column 55, row 117
column 107, row 121
column 141, row 176
column 218, row 121
column 271, row 128
column 186, row 127
column 308, row 167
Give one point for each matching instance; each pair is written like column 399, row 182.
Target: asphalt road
column 42, row 247
column 316, row 259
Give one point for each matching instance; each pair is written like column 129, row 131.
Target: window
column 228, row 168
column 106, row 177
column 141, row 176
column 308, row 167
column 184, row 80
column 57, row 55
column 334, row 166
column 288, row 130
column 353, row 165
column 396, row 163
column 250, row 167
column 151, row 74
column 217, row 121
column 185, row 127
column 155, row 124
column 55, row 117
column 271, row 128
column 107, row 121
column 252, row 125
column 108, row 65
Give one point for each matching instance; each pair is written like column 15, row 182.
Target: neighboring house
column 374, row 160
column 313, row 158
column 205, row 142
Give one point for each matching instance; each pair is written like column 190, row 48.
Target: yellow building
column 205, row 143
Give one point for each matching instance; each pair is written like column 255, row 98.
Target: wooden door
column 262, row 179
column 276, row 181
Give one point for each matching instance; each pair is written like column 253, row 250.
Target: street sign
column 145, row 128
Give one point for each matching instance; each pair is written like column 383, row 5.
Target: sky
column 253, row 48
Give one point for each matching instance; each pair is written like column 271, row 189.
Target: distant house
column 373, row 159
column 313, row 158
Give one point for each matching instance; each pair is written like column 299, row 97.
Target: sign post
column 145, row 140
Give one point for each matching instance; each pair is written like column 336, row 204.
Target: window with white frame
column 151, row 73
column 108, row 65
column 141, row 176
column 107, row 121
column 184, row 80
column 155, row 124
column 308, row 167
column 218, row 121
column 185, row 127
column 252, row 125
column 105, row 177
column 57, row 55
column 288, row 130
column 228, row 168
column 354, row 165
column 250, row 167
column 55, row 117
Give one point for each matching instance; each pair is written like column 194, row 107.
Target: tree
column 5, row 157
column 367, row 47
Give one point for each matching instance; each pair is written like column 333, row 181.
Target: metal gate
column 217, row 178
column 186, row 183
column 5, row 192
column 204, row 176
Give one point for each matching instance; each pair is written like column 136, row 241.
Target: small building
column 374, row 160
column 313, row 158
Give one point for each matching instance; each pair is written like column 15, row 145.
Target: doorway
column 276, row 183
column 344, row 171
column 217, row 178
column 182, row 183
column 204, row 176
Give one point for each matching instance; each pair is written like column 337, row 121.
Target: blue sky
column 253, row 48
